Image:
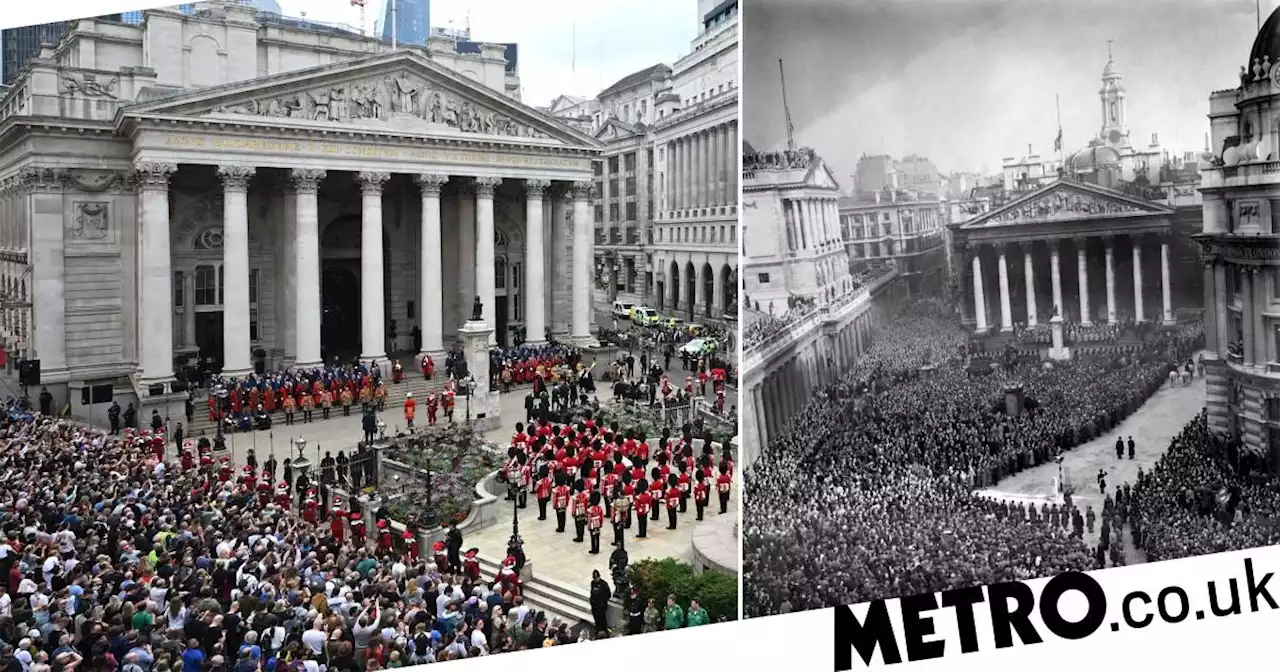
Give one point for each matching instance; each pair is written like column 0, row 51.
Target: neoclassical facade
column 282, row 220
column 1091, row 253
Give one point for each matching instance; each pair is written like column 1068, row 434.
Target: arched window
column 500, row 273
column 209, row 239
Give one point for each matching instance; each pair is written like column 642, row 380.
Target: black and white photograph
column 1011, row 291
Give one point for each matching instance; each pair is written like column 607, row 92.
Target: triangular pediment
column 821, row 177
column 614, row 130
column 399, row 92
column 1066, row 200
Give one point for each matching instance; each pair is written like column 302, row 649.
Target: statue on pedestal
column 477, row 310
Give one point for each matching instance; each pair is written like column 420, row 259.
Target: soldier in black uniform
column 269, row 467
column 1131, row 447
column 131, row 416
column 1119, row 448
column 326, row 468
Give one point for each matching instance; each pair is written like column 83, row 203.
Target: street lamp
column 382, row 430
column 470, row 382
column 515, row 514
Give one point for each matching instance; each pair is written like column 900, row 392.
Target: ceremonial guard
column 448, row 404
column 310, row 508
column 336, row 518
column 560, row 501
column 380, row 397
column 397, row 373
column 358, row 532
column 410, row 541
column 595, row 521
column 441, row 556
column 290, row 406
column 326, row 402
column 700, row 497
column 673, row 500
column 427, row 366
column 719, row 406
column 471, row 564
column 308, row 405
column 508, row 577
column 684, row 482
column 282, row 494
column 618, row 511
column 344, row 396
column 433, row 407
column 723, row 484
column 384, row 535
column 366, row 396
column 581, row 500
column 410, row 409
column 542, row 490
column 644, row 502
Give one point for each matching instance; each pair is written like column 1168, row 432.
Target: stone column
column 466, row 251
column 979, row 296
column 682, row 161
column 717, row 194
column 562, row 274
column 189, row 309
column 1082, row 270
column 1257, row 275
column 236, row 345
column 582, row 271
column 307, row 304
column 1211, row 309
column 155, row 312
column 1029, row 270
column 1056, row 271
column 1138, row 312
column 1165, row 297
column 1223, row 301
column 431, row 267
column 699, row 170
column 373, row 318
column 1006, row 310
column 534, row 273
column 1247, row 315
column 733, row 170
column 46, row 255
column 485, row 262
column 284, row 281
column 1109, row 244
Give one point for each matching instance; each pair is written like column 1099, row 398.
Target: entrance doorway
column 500, row 320
column 340, row 332
column 209, row 338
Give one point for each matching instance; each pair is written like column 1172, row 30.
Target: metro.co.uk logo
column 1009, row 607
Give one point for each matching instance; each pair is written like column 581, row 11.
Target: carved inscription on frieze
column 400, row 95
column 433, row 155
column 1064, row 205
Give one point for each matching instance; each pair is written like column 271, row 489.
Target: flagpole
column 1062, row 157
column 393, row 24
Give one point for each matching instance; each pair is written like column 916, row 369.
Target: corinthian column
column 1082, row 269
column 979, row 295
column 1055, row 269
column 431, row 281
column 1006, row 309
column 1137, row 280
column 155, row 323
column 1166, row 302
column 235, row 270
column 373, row 318
column 582, row 271
column 1111, row 280
column 485, row 186
column 535, row 275
column 1029, row 270
column 306, row 184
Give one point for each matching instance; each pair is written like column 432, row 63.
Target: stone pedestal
column 1058, row 351
column 486, row 412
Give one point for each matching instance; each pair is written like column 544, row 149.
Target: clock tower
column 1115, row 131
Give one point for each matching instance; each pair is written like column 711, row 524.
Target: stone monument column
column 482, row 403
column 1165, row 298
column 155, row 318
column 1059, row 350
column 535, row 276
column 485, row 262
column 236, row 353
column 431, row 265
column 373, row 344
column 306, row 186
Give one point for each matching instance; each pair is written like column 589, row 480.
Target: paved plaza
column 1152, row 427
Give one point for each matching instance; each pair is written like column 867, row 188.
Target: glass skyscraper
column 412, row 21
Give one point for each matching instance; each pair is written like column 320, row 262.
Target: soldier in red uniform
column 618, row 510
column 433, row 406
column 723, row 484
column 719, row 405
column 428, row 367
column 657, row 491
column 224, row 471
column 508, row 578
column 471, row 564
column 448, row 405
column 595, row 521
column 308, row 405
column 673, row 500
column 581, row 500
column 358, row 532
column 700, row 497
column 560, row 501
column 269, row 400
column 543, row 491
column 264, row 492
column 290, row 407
column 685, row 482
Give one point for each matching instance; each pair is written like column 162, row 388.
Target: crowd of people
column 883, row 463
column 520, row 365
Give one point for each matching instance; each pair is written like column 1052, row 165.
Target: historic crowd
column 881, row 466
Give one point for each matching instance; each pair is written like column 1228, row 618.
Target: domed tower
column 1115, row 131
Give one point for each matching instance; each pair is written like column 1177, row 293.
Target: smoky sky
column 968, row 82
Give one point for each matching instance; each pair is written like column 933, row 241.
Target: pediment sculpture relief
column 1064, row 205
column 383, row 98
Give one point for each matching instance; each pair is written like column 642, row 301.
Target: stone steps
column 570, row 604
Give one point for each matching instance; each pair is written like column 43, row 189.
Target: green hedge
column 717, row 592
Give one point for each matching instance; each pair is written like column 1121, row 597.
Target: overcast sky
column 968, row 82
column 614, row 38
